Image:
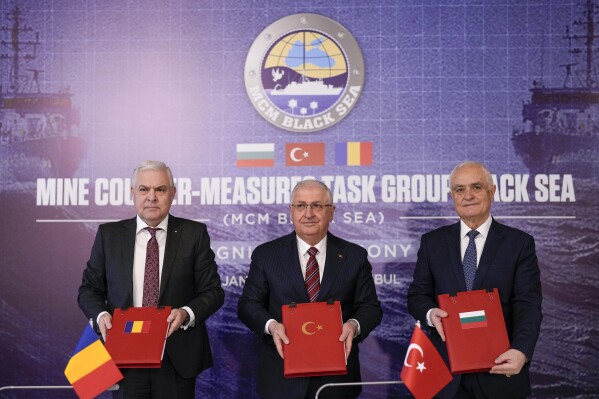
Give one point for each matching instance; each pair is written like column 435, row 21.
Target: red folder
column 475, row 331
column 314, row 348
column 138, row 336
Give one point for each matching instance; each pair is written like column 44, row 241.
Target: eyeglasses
column 316, row 207
column 475, row 188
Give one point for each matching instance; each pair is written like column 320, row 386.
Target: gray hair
column 313, row 183
column 485, row 170
column 152, row 165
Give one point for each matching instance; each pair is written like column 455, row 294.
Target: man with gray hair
column 478, row 253
column 308, row 265
column 156, row 259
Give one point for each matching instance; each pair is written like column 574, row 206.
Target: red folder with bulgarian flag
column 475, row 331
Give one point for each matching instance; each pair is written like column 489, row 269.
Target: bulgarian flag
column 255, row 154
column 473, row 319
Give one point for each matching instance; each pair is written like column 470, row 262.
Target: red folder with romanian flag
column 314, row 348
column 138, row 336
column 475, row 331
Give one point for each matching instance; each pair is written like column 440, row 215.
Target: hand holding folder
column 138, row 336
column 475, row 331
column 313, row 330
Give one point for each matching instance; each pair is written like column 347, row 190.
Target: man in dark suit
column 186, row 278
column 505, row 259
column 277, row 277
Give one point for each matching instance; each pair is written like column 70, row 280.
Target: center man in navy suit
column 185, row 278
column 505, row 259
column 277, row 277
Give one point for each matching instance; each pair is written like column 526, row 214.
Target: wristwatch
column 356, row 325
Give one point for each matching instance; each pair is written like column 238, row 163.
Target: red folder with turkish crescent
column 138, row 336
column 475, row 331
column 314, row 348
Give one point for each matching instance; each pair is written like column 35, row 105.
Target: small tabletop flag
column 424, row 372
column 91, row 370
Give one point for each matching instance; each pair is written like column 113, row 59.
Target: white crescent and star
column 417, row 347
column 294, row 157
column 305, row 328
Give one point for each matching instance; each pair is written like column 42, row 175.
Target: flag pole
column 348, row 384
column 16, row 387
column 7, row 388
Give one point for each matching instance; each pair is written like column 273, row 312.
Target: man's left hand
column 347, row 336
column 509, row 363
column 176, row 318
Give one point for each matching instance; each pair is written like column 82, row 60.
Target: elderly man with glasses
column 308, row 265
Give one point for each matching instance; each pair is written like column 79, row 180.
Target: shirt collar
column 303, row 246
column 142, row 225
column 483, row 229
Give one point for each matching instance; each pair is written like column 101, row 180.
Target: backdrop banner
column 243, row 99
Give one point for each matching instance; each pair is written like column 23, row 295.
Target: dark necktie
column 469, row 262
column 151, row 273
column 312, row 275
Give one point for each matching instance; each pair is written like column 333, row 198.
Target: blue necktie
column 469, row 262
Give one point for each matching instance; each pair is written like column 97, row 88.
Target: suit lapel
column 173, row 237
column 128, row 245
column 455, row 256
column 491, row 246
column 289, row 260
column 336, row 257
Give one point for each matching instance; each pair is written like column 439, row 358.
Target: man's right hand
column 105, row 324
column 435, row 317
column 277, row 330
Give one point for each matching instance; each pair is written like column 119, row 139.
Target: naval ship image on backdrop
column 560, row 127
column 38, row 137
column 304, row 70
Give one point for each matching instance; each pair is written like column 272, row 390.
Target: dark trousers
column 162, row 383
column 330, row 392
column 470, row 388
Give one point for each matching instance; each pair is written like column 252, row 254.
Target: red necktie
column 312, row 275
column 151, row 273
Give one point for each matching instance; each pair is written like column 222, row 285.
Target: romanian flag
column 136, row 327
column 91, row 370
column 473, row 319
column 260, row 154
column 353, row 153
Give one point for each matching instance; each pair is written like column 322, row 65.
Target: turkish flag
column 424, row 372
column 304, row 154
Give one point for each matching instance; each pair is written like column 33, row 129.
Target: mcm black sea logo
column 304, row 73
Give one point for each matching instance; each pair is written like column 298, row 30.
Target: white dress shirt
column 142, row 236
column 479, row 241
column 302, row 251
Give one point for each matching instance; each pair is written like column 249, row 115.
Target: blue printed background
column 445, row 81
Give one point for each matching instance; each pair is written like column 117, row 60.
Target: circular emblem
column 304, row 73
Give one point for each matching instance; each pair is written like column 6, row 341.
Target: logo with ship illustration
column 304, row 73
